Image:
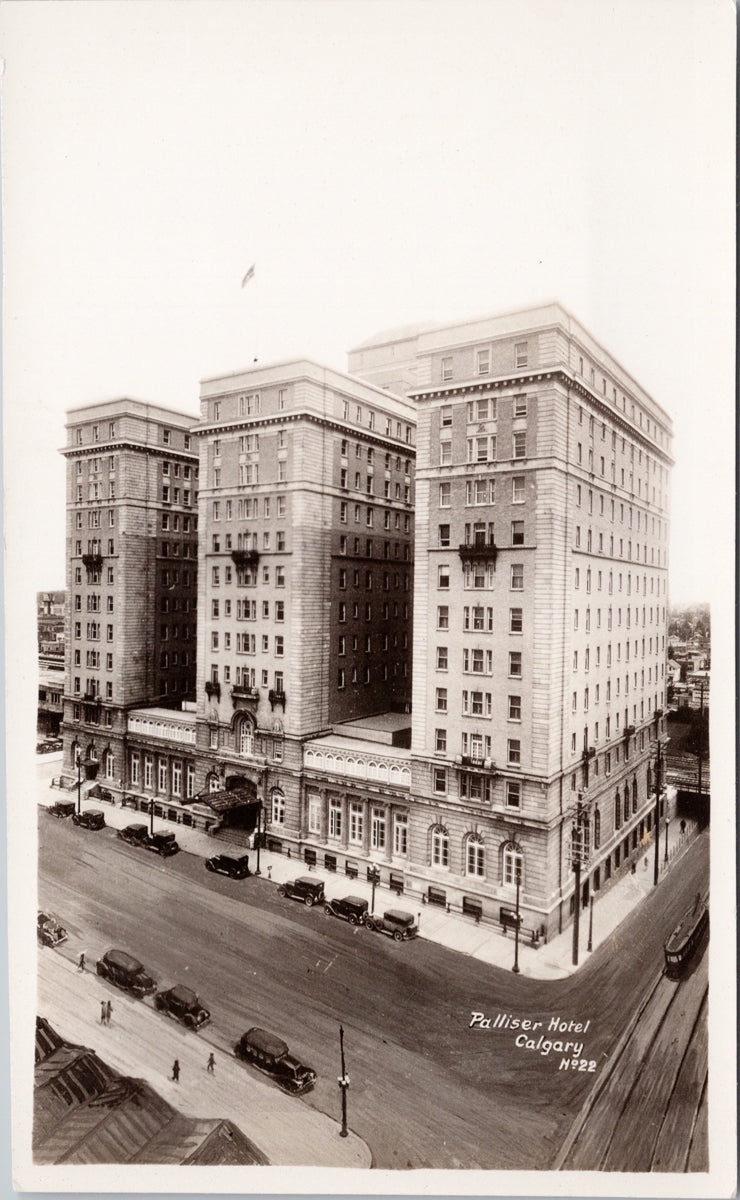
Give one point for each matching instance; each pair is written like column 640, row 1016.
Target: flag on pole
column 248, row 275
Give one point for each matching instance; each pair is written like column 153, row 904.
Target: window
column 520, row 406
column 514, row 752
column 444, row 535
column 377, row 829
column 447, row 368
column 443, row 616
column 516, row 623
column 440, row 846
column 517, row 533
column 517, row 577
column 445, row 453
column 475, row 856
column 335, row 817
column 513, row 865
column 445, row 495
column 441, row 700
column 356, row 823
column 400, row 833
column 520, row 444
column 443, row 576
column 521, row 354
column 513, row 793
column 515, row 708
column 483, row 361
column 440, row 741
column 278, row 807
column 442, row 658
column 446, row 415
column 515, row 664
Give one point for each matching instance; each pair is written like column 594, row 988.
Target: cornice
column 249, row 424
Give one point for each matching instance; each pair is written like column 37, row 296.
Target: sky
column 381, row 163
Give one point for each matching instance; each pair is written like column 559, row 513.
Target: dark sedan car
column 164, row 844
column 224, row 864
column 182, row 1004
column 93, row 818
column 125, row 972
column 352, row 908
column 310, row 891
column 62, row 808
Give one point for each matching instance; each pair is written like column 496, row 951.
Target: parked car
column 183, row 1004
column 237, row 868
column 310, row 891
column 160, row 843
column 397, row 924
column 49, row 931
column 62, row 808
column 352, row 908
column 92, row 818
column 271, row 1055
column 126, row 972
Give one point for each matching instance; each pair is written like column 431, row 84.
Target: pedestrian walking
column 108, row 1011
column 103, row 1011
column 269, row 872
column 211, row 1063
column 176, row 1071
column 81, row 963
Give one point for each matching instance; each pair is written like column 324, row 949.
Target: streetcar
column 686, row 937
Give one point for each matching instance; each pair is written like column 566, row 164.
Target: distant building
column 51, row 610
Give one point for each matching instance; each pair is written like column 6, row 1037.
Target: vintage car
column 62, row 808
column 397, row 924
column 125, row 972
column 92, row 818
column 49, row 931
column 160, row 843
column 310, row 891
column 271, row 1055
column 352, row 908
column 237, row 868
column 183, row 1004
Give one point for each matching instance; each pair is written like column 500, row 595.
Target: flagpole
column 249, row 276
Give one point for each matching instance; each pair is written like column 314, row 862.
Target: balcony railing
column 658, row 713
column 276, row 697
column 244, row 693
column 91, row 697
column 476, row 761
column 629, row 730
column 588, row 753
column 93, row 562
column 475, row 550
column 245, row 558
column 213, row 689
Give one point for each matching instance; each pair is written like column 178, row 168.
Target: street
column 426, row 1089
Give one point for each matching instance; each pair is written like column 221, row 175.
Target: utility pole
column 579, row 856
column 78, row 758
column 515, row 968
column 343, row 1082
column 656, row 870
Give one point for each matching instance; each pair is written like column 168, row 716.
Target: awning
column 226, row 801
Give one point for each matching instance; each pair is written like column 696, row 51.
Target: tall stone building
column 540, row 600
column 305, row 583
column 132, row 560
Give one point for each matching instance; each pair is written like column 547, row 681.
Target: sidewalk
column 143, row 1043
column 490, row 944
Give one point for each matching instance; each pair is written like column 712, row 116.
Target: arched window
column 109, row 764
column 512, row 869
column 92, row 754
column 597, row 829
column 475, row 856
column 246, row 736
column 649, row 779
column 440, row 846
column 214, row 783
column 278, row 806
column 617, row 810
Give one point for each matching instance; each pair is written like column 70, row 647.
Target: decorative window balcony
column 477, row 762
column 475, row 550
column 658, row 714
column 244, row 693
column 91, row 698
column 93, row 562
column 276, row 698
column 213, row 689
column 629, row 731
column 588, row 753
column 245, row 558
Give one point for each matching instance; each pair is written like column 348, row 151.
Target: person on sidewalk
column 103, row 1011
column 81, row 963
column 211, row 1063
column 176, row 1071
column 108, row 1011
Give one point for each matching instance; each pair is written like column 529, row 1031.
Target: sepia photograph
column 369, row 497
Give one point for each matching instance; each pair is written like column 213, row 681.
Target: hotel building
column 540, row 601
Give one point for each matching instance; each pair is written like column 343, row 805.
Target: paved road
column 651, row 1114
column 427, row 1090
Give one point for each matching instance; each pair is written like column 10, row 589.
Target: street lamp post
column 343, row 1082
column 515, row 968
column 374, row 879
column 590, row 925
column 258, row 839
column 151, row 817
column 78, row 762
column 667, row 823
column 579, row 857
